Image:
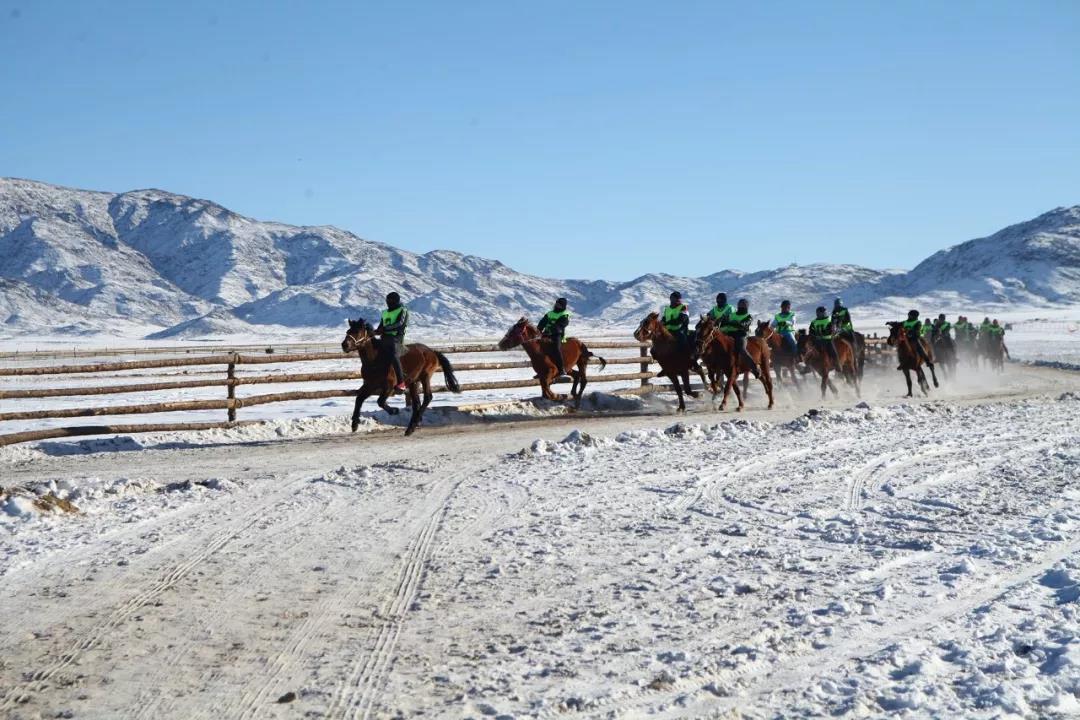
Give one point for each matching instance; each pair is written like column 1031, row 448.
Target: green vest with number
column 389, row 317
column 718, row 312
column 784, row 322
column 734, row 322
column 821, row 328
column 552, row 317
column 671, row 317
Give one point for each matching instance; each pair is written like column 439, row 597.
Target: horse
column 944, row 353
column 717, row 350
column 675, row 360
column 909, row 358
column 995, row 351
column 539, row 349
column 419, row 363
column 822, row 363
column 782, row 357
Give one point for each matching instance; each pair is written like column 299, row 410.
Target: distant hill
column 149, row 261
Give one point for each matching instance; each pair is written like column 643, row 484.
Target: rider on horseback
column 391, row 333
column 914, row 329
column 721, row 309
column 963, row 328
column 737, row 325
column 821, row 334
column 676, row 318
column 553, row 326
column 784, row 324
column 941, row 328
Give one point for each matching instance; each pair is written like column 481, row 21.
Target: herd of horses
column 707, row 352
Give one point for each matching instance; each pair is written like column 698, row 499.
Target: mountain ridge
column 179, row 266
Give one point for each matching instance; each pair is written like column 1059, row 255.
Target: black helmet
column 784, row 304
column 941, row 316
column 393, row 299
column 821, row 311
column 721, row 298
column 838, row 303
column 560, row 304
column 744, row 303
column 912, row 314
column 675, row 296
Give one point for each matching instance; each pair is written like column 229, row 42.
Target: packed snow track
column 916, row 558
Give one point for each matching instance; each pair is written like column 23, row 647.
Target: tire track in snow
column 92, row 638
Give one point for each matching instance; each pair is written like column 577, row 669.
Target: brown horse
column 717, row 351
column 909, row 358
column 782, row 357
column 419, row 363
column 675, row 360
column 539, row 349
column 995, row 351
column 822, row 363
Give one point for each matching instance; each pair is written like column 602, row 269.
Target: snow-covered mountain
column 76, row 261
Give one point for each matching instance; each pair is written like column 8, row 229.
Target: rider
column 984, row 328
column 821, row 334
column 913, row 328
column 962, row 327
column 941, row 327
column 722, row 309
column 784, row 324
column 392, row 335
column 841, row 319
column 676, row 318
column 926, row 328
column 737, row 325
column 553, row 325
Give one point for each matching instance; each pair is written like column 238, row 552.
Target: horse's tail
column 448, row 373
column 587, row 353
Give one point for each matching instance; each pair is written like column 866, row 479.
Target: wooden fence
column 231, row 404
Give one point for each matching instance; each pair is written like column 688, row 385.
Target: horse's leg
column 686, row 383
column 932, row 374
column 766, row 380
column 382, row 403
column 428, row 395
column 923, row 384
column 735, row 387
column 417, row 411
column 824, row 380
column 674, row 377
column 745, row 381
column 907, row 377
column 361, row 395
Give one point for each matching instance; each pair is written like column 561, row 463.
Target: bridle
column 351, row 344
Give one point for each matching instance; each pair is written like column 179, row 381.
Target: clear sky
column 567, row 139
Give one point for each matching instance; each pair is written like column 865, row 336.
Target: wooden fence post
column 231, row 389
column 644, row 353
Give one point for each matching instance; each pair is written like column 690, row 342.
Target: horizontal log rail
column 231, row 404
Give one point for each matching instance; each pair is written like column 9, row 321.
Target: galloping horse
column 822, row 363
column 782, row 358
column 909, row 358
column 674, row 359
column 419, row 363
column 574, row 353
column 995, row 351
column 717, row 351
column 945, row 354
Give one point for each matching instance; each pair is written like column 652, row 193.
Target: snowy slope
column 116, row 262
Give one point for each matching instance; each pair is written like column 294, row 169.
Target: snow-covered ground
column 917, row 558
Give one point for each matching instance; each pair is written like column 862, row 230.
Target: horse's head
column 703, row 332
column 517, row 334
column 764, row 329
column 648, row 328
column 894, row 332
column 359, row 333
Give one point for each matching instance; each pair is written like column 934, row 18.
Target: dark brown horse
column 539, row 349
column 944, row 354
column 717, row 351
column 782, row 357
column 419, row 363
column 995, row 351
column 909, row 358
column 675, row 359
column 822, row 363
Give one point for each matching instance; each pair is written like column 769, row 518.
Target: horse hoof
column 409, row 431
column 355, row 425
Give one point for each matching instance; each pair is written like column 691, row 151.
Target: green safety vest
column 784, row 321
column 961, row 326
column 718, row 312
column 845, row 323
column 910, row 325
column 389, row 317
column 553, row 316
column 671, row 317
column 821, row 328
column 734, row 322
column 944, row 327
column 996, row 330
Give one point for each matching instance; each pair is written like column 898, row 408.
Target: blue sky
column 567, row 139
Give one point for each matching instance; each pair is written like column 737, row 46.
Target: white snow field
column 916, row 558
